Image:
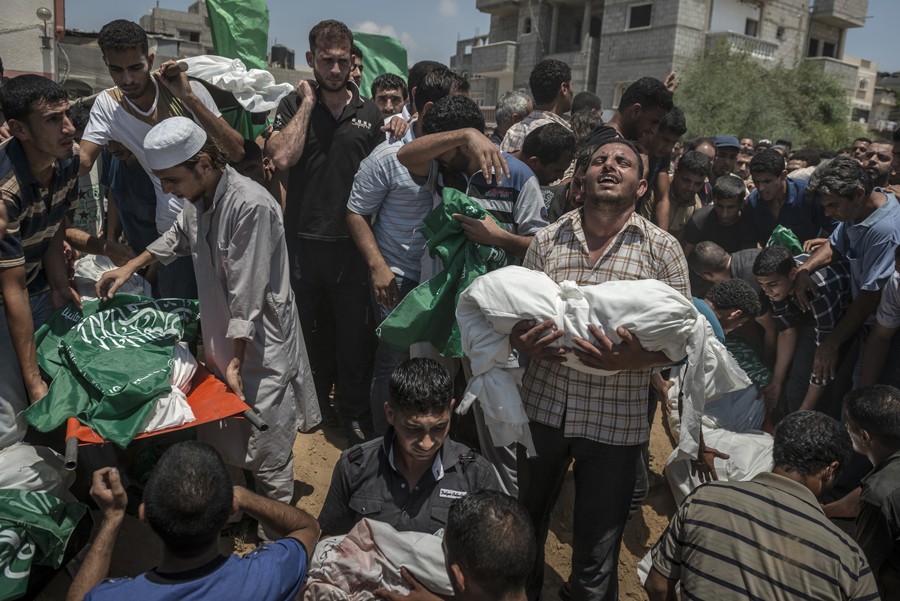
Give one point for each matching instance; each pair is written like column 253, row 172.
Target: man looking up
column 512, row 107
column 551, row 86
column 642, row 108
column 389, row 93
column 322, row 132
column 140, row 100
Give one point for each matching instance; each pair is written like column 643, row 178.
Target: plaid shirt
column 515, row 135
column 607, row 409
column 832, row 284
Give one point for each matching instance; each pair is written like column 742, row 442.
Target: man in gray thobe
column 233, row 230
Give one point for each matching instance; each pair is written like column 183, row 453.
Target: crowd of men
column 298, row 244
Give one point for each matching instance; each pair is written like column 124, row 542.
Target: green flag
column 240, row 29
column 381, row 54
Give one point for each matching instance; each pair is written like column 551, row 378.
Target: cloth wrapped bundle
column 254, row 89
column 656, row 314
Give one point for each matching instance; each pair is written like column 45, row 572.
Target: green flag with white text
column 381, row 54
column 240, row 29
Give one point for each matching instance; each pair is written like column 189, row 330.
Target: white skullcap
column 172, row 142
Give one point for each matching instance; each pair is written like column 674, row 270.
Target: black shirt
column 704, row 226
column 319, row 184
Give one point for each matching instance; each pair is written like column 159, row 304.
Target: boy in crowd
column 720, row 222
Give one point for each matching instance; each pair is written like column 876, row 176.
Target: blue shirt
column 805, row 218
column 710, row 315
column 869, row 245
column 273, row 571
column 135, row 200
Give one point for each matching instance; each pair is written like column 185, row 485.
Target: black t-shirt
column 319, row 184
column 742, row 266
column 704, row 226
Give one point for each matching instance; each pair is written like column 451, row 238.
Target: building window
column 813, row 47
column 863, row 84
column 195, row 36
column 639, row 16
column 751, row 27
column 779, row 33
column 828, row 49
column 527, row 27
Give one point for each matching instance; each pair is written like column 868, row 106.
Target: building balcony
column 845, row 72
column 494, row 60
column 497, row 7
column 738, row 42
column 841, row 13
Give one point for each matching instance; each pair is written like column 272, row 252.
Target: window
column 526, row 28
column 639, row 16
column 195, row 36
column 863, row 84
column 779, row 33
column 813, row 47
column 828, row 49
column 751, row 27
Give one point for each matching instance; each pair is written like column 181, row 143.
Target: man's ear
column 310, row 58
column 634, row 111
column 18, row 129
column 142, row 513
column 532, row 162
column 452, row 404
column 458, row 576
column 150, row 59
column 389, row 413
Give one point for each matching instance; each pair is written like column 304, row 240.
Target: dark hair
column 79, row 115
column 772, row 260
column 492, row 536
column 767, row 161
column 708, row 257
column 546, row 79
column 862, row 139
column 697, row 142
column 806, row 442
column 330, row 32
column 784, row 142
column 735, row 294
column 585, row 101
column 548, row 143
column 461, row 85
column 876, row 409
column 451, row 113
column 437, row 83
column 629, row 144
column 509, row 104
column 211, row 149
column 355, row 51
column 252, row 152
column 694, row 162
column 745, row 152
column 188, row 498
column 583, row 156
column 122, row 35
column 729, row 186
column 583, row 123
column 650, row 93
column 808, row 155
column 841, row 175
column 421, row 386
column 420, row 70
column 389, row 81
column 674, row 122
column 20, row 94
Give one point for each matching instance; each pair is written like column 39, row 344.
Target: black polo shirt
column 319, row 184
column 366, row 485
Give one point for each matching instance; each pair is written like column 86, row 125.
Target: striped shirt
column 34, row 212
column 765, row 539
column 385, row 188
column 607, row 409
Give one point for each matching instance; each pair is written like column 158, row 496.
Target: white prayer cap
column 172, row 142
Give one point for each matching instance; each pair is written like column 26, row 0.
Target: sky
column 430, row 28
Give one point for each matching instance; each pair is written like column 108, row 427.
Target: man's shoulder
column 655, row 235
column 883, row 484
column 519, row 172
column 701, row 216
column 360, row 454
column 469, row 464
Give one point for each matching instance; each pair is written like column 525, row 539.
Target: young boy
column 721, row 222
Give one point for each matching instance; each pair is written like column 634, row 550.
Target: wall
column 20, row 39
column 732, row 15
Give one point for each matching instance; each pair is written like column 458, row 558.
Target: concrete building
column 885, row 114
column 191, row 28
column 28, row 33
column 610, row 43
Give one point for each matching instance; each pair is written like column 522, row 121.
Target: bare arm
column 84, row 242
column 384, row 283
column 878, row 347
column 88, row 155
column 786, row 343
column 663, row 208
column 767, row 322
column 286, row 146
column 286, row 520
column 21, row 329
column 111, row 281
column 803, row 286
column 486, row 231
column 660, row 588
column 113, row 223
column 418, row 154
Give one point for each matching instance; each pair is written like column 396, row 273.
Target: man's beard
column 330, row 86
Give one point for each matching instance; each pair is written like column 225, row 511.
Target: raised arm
column 418, row 154
column 286, row 145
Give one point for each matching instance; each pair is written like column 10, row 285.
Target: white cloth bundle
column 656, row 314
column 254, row 89
column 88, row 270
column 172, row 410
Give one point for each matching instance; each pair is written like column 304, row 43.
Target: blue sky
column 430, row 28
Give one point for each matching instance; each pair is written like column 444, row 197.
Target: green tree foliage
column 731, row 92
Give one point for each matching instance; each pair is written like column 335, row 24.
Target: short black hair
column 876, row 409
column 842, row 175
column 451, row 113
column 330, row 32
column 810, row 156
column 768, row 161
column 774, row 260
column 784, row 142
column 697, row 142
column 735, row 294
column 583, row 123
column 862, row 139
column 708, row 256
column 389, row 81
column 122, row 34
column 492, row 536
column 79, row 115
column 421, row 386
column 623, row 142
column 694, row 162
column 674, row 122
column 583, row 155
column 355, row 51
column 585, row 101
column 420, row 70
column 437, row 83
column 650, row 93
column 20, row 94
column 546, row 78
column 548, row 143
column 188, row 498
column 729, row 186
column 806, row 442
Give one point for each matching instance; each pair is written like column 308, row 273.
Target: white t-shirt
column 110, row 121
column 889, row 308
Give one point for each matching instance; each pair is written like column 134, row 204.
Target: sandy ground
column 137, row 548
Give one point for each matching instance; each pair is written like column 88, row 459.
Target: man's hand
column 384, row 287
column 661, row 387
column 111, row 281
column 811, row 245
column 627, row 355
column 704, row 465
column 489, row 157
column 534, row 340
column 175, row 79
column 36, row 391
column 824, row 365
column 397, row 127
column 772, row 394
column 803, row 289
column 672, row 82
column 233, row 377
column 119, row 254
column 60, row 297
column 306, row 90
column 418, row 592
column 481, row 231
column 109, row 494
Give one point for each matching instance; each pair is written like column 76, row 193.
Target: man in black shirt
column 721, row 221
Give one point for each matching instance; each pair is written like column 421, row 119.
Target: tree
column 728, row 91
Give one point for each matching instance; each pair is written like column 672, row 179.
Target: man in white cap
column 252, row 338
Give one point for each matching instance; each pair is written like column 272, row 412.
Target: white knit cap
column 172, row 142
